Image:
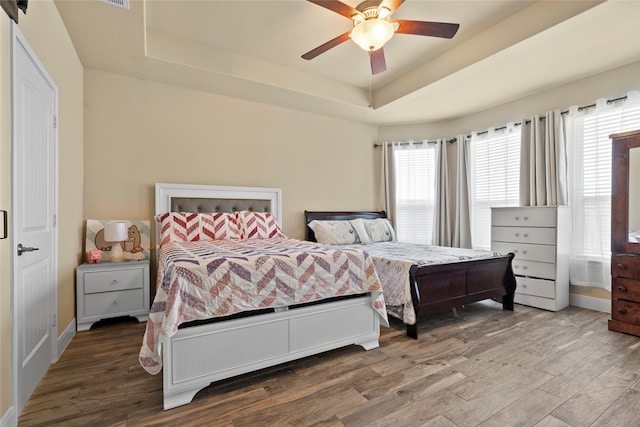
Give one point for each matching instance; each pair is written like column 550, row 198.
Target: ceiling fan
column 372, row 28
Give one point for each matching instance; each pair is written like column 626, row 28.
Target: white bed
column 198, row 355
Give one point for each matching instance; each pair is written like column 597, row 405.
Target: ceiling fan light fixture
column 372, row 34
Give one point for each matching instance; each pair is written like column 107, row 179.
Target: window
column 415, row 166
column 590, row 189
column 495, row 179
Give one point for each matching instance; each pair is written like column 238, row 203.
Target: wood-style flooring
column 489, row 367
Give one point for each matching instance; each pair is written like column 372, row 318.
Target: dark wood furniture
column 441, row 287
column 625, row 249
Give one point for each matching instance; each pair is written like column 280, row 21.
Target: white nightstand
column 112, row 289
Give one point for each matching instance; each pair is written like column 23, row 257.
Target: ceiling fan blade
column 390, row 4
column 423, row 28
column 378, row 64
column 337, row 7
column 326, row 46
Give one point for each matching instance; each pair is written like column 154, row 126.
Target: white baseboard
column 65, row 338
column 597, row 304
column 9, row 419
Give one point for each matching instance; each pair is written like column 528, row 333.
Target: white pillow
column 379, row 230
column 358, row 225
column 334, row 232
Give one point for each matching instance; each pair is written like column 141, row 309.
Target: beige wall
column 138, row 133
column 583, row 92
column 614, row 83
column 47, row 35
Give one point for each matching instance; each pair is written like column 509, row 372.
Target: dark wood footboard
column 440, row 287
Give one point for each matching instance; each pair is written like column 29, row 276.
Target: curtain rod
column 450, row 141
column 584, row 107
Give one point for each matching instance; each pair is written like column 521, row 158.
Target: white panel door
column 34, row 207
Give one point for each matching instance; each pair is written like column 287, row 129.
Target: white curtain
column 543, row 161
column 588, row 131
column 452, row 221
column 386, row 199
column 442, row 211
column 462, row 219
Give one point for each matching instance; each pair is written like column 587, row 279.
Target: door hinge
column 55, row 319
column 55, row 220
column 55, row 122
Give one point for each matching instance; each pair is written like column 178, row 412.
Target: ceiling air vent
column 123, row 4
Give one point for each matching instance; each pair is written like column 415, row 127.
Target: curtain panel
column 588, row 130
column 543, row 161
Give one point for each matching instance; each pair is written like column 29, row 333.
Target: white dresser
column 540, row 238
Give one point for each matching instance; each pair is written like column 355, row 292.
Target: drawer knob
column 622, row 288
column 515, row 251
column 524, row 252
column 114, row 282
column 115, row 302
column 526, row 218
column 517, row 234
column 524, row 268
column 526, row 235
column 517, row 218
column 622, row 266
column 622, row 311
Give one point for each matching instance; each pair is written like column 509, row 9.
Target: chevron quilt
column 202, row 280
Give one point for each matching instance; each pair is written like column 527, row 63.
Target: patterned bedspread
column 201, row 280
column 393, row 260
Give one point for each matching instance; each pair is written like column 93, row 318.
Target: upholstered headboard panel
column 211, row 198
column 195, row 204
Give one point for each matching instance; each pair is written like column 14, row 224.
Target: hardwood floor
column 489, row 367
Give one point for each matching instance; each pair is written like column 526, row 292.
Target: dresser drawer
column 625, row 311
column 537, row 287
column 625, row 265
column 543, row 253
column 541, row 236
column 627, row 289
column 529, row 217
column 113, row 280
column 541, row 270
column 113, row 303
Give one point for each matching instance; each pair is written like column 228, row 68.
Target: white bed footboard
column 198, row 355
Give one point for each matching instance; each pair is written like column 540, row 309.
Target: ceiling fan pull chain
column 370, row 101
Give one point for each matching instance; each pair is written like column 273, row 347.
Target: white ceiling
column 504, row 50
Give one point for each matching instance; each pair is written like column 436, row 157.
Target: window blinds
column 495, row 177
column 415, row 167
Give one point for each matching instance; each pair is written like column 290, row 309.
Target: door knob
column 22, row 249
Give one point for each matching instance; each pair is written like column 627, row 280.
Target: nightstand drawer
column 113, row 303
column 540, row 236
column 114, row 280
column 543, row 253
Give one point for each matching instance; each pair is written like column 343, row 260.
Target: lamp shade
column 372, row 34
column 115, row 232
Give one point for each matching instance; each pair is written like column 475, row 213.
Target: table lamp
column 116, row 232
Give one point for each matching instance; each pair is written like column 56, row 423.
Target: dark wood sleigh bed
column 440, row 287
